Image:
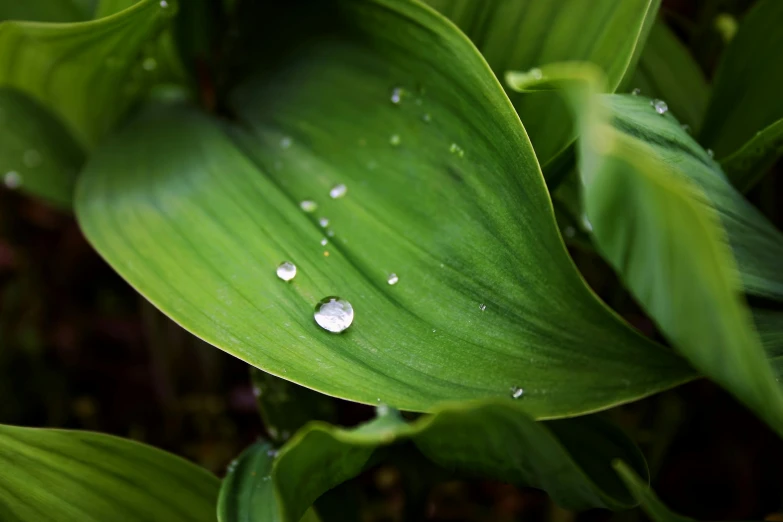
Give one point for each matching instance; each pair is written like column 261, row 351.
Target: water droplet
column 482, row 307
column 686, row 127
column 393, row 279
column 382, row 410
column 660, row 106
column 333, row 314
column 31, row 158
column 517, row 392
column 536, row 73
column 426, row 117
column 308, row 205
column 636, row 92
column 338, row 191
column 397, row 94
column 395, row 140
column 433, row 331
column 710, row 153
column 569, row 231
column 272, row 453
column 324, row 222
column 286, row 271
column 256, row 391
column 324, row 242
column 231, row 466
column 12, row 179
column 164, row 4
column 456, row 149
column 149, row 64
column 285, row 142
column 330, row 233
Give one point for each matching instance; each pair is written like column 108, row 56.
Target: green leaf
column 748, row 165
column 746, row 98
column 197, row 218
column 522, row 34
column 73, row 476
column 645, row 496
column 285, row 407
column 569, row 459
column 87, row 73
column 657, row 227
column 667, row 70
column 36, row 152
column 44, row 11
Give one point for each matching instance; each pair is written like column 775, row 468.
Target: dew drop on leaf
column 308, row 205
column 396, row 95
column 456, row 149
column 517, row 392
column 338, row 191
column 286, row 271
column 12, row 179
column 324, row 222
column 660, row 106
column 333, row 314
column 482, row 307
column 426, row 117
column 636, row 92
column 324, row 242
column 393, row 279
column 395, row 140
column 710, row 153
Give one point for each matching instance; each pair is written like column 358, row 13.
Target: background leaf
column 73, row 476
column 659, row 231
column 487, row 298
column 570, row 459
column 645, row 496
column 45, row 10
column 522, row 34
column 83, row 72
column 37, row 154
column 748, row 165
column 746, row 98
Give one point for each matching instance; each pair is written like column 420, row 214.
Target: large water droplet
column 286, row 271
column 397, row 94
column 338, row 191
column 12, row 179
column 149, row 64
column 395, row 140
column 660, row 106
column 517, row 392
column 393, row 279
column 636, row 92
column 456, row 149
column 333, row 314
column 324, row 222
column 31, row 158
column 308, row 205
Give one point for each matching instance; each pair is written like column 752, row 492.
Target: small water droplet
column 286, row 271
column 231, row 466
column 636, row 92
column 536, row 73
column 285, row 142
column 517, row 392
column 686, row 127
column 324, row 222
column 271, row 453
column 456, row 149
column 324, row 242
column 330, row 233
column 149, row 64
column 333, row 314
column 381, row 410
column 256, row 391
column 308, row 205
column 660, row 106
column 338, row 191
column 164, row 4
column 395, row 140
column 482, row 307
column 426, row 117
column 397, row 94
column 393, row 279
column 31, row 158
column 433, row 331
column 710, row 153
column 586, row 223
column 12, row 180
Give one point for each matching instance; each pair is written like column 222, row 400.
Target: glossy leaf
column 87, row 73
column 523, row 34
column 667, row 70
column 44, row 11
column 487, row 298
column 746, row 95
column 639, row 488
column 660, row 232
column 37, row 154
column 748, row 165
column 73, row 476
column 569, row 459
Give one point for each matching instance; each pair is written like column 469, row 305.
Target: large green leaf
column 89, row 72
column 746, row 96
column 36, row 152
column 73, row 476
column 569, row 459
column 44, row 10
column 667, row 70
column 657, row 227
column 487, row 298
column 522, row 34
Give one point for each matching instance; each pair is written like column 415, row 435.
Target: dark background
column 80, row 349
